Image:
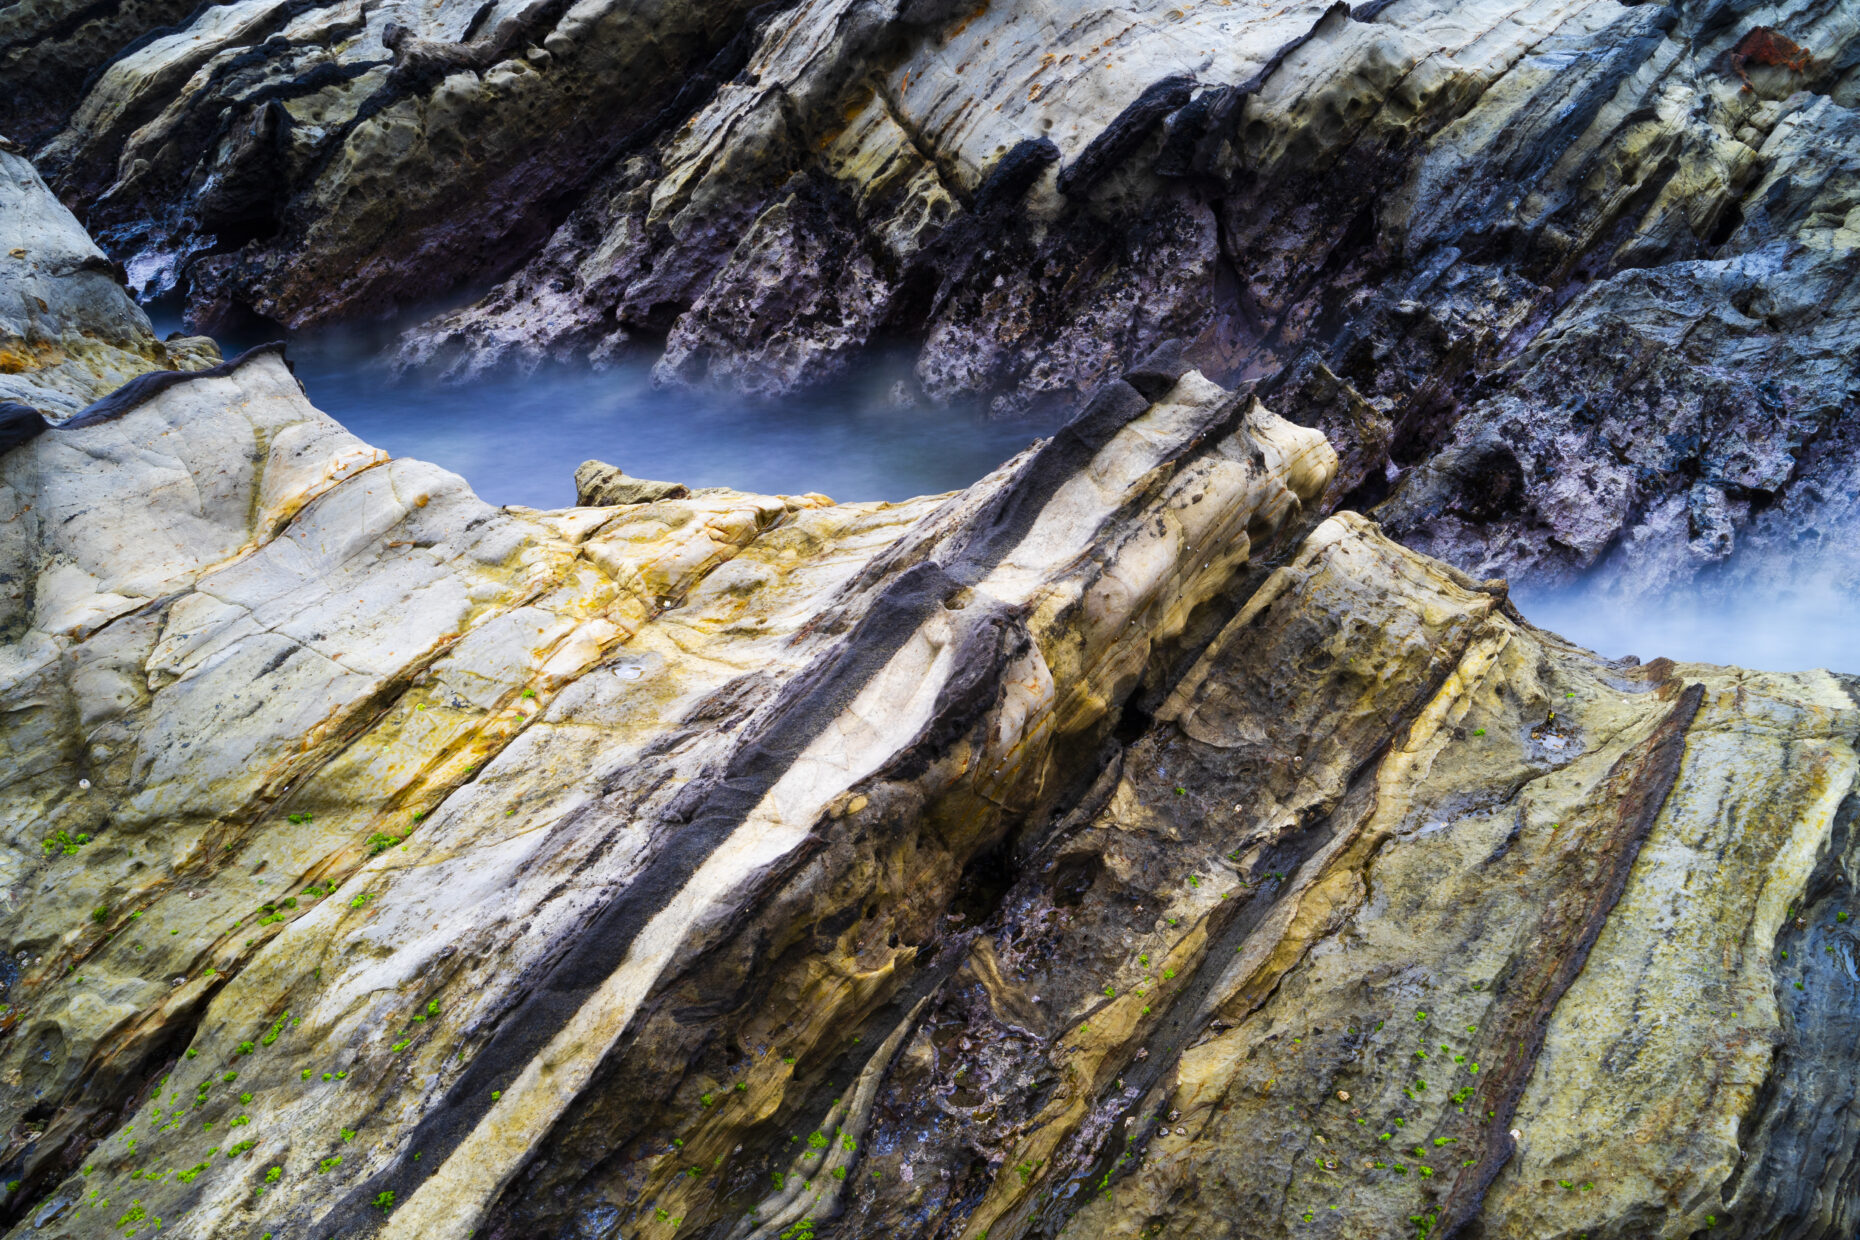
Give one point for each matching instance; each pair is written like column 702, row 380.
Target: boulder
column 600, row 485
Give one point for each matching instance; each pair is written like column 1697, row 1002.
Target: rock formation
column 1569, row 289
column 69, row 333
column 1113, row 847
column 1138, row 842
column 309, row 160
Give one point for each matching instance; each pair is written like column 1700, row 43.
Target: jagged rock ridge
column 1567, row 294
column 1109, row 847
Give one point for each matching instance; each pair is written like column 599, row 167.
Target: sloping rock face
column 319, row 729
column 308, row 160
column 1383, row 929
column 1673, row 415
column 69, row 333
column 1560, row 263
column 1101, row 850
column 1116, row 847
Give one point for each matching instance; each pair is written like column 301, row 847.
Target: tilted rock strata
column 1672, row 413
column 720, row 863
column 1551, row 275
column 1559, row 259
column 354, row 635
column 309, row 159
column 1392, row 876
column 283, row 682
column 50, row 51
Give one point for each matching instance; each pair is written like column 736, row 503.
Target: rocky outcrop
column 1117, row 846
column 539, row 762
column 69, row 333
column 1100, row 849
column 1672, row 412
column 306, row 161
column 1557, row 281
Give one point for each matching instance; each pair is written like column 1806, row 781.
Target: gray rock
column 1719, row 388
column 69, row 332
column 380, row 862
column 598, row 484
column 310, row 162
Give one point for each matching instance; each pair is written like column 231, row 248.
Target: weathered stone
column 1109, row 849
column 600, row 485
column 307, row 161
column 69, row 333
column 801, row 844
column 1535, row 269
column 315, row 669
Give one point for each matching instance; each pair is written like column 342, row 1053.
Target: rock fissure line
column 806, row 709
column 1644, row 780
column 1361, row 210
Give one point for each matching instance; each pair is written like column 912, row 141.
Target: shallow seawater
column 1791, row 628
column 517, row 440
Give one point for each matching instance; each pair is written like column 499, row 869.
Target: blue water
column 1792, row 629
column 518, row 440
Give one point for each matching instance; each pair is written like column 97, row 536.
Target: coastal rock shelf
column 1116, row 846
column 1151, row 839
column 1567, row 284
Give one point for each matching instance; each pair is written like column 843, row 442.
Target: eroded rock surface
column 1565, row 293
column 1095, row 850
column 309, row 161
column 321, row 729
column 1115, row 847
column 69, row 332
column 1405, row 918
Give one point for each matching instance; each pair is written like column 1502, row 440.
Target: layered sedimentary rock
column 1115, row 847
column 1553, row 276
column 1092, row 851
column 1389, row 925
column 1676, row 412
column 542, row 765
column 69, row 332
column 316, row 160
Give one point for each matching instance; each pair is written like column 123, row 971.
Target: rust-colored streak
column 1762, row 45
column 1587, row 890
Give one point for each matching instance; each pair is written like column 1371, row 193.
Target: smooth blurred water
column 1809, row 624
column 517, row 440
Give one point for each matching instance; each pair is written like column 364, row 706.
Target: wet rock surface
column 1137, row 842
column 69, row 333
column 306, row 161
column 1113, row 846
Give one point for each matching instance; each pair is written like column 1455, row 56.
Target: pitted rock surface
column 1138, row 842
